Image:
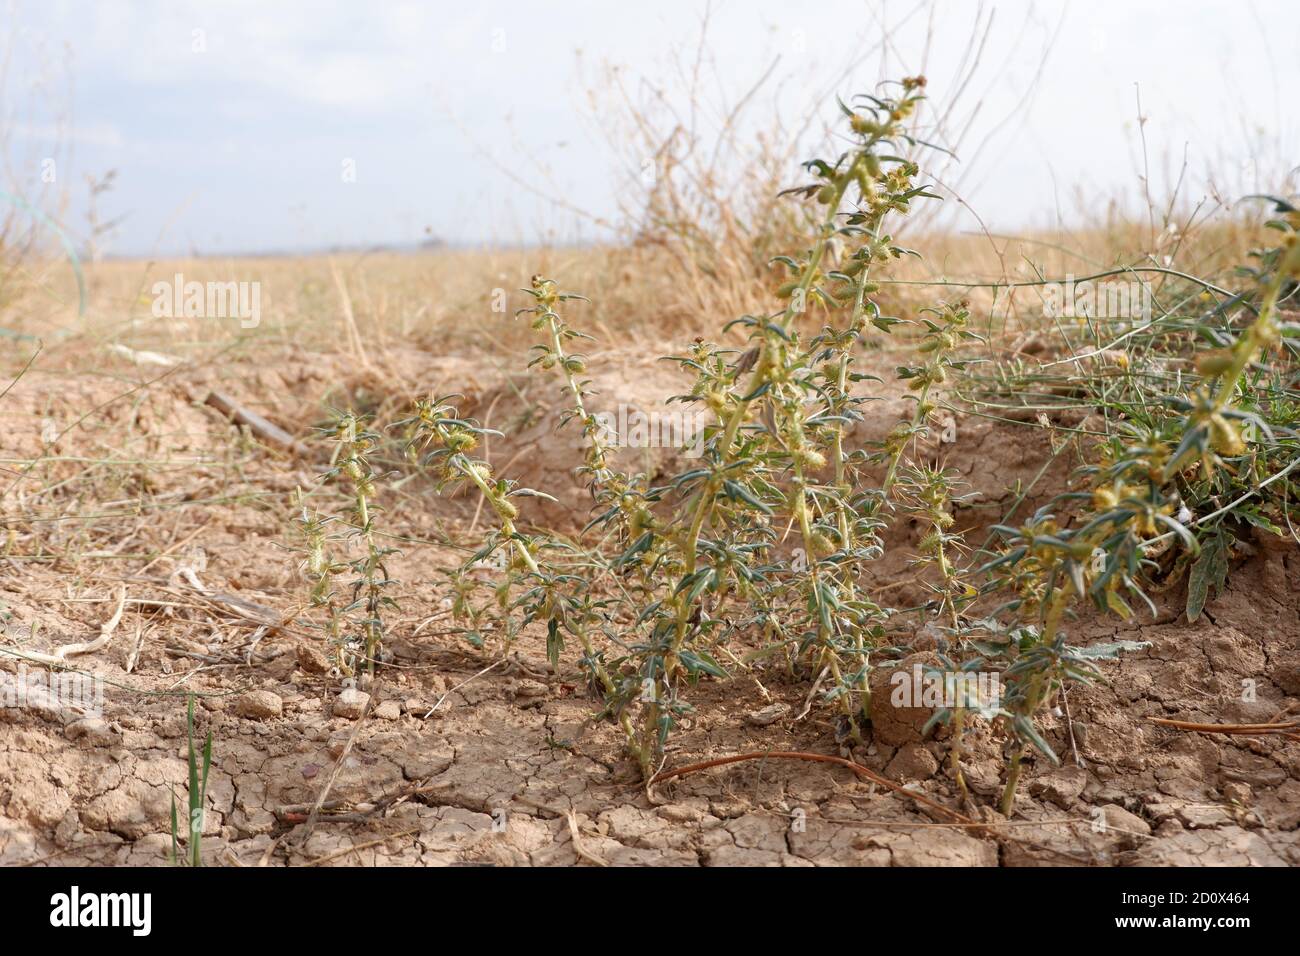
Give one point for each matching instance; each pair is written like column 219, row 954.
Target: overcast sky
column 239, row 127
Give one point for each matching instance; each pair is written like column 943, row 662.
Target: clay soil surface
column 140, row 492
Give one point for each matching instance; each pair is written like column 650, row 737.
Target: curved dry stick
column 1287, row 728
column 60, row 655
column 860, row 770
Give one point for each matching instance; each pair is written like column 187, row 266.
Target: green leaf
column 699, row 662
column 193, row 761
column 175, row 842
column 1025, row 729
column 1118, row 605
column 1257, row 520
column 1209, row 571
column 736, row 491
column 207, row 765
column 554, row 643
column 706, row 579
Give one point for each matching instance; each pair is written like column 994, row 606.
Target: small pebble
column 351, row 704
column 259, row 705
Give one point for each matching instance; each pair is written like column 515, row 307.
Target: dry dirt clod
column 388, row 710
column 415, row 707
column 893, row 722
column 1062, row 786
column 1238, row 793
column 94, row 731
column 350, row 704
column 527, row 692
column 259, row 705
column 912, row 762
column 312, row 660
column 1129, row 826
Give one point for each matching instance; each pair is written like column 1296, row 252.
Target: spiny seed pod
column 898, row 437
column 319, row 592
column 812, row 458
column 640, row 520
column 462, row 441
column 820, row 545
column 546, row 291
column 921, row 381
column 316, row 568
column 1225, row 438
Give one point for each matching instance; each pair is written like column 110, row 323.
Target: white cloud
column 95, row 134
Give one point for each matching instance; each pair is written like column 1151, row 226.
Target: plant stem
column 955, row 752
column 704, row 504
column 1013, row 780
column 507, row 521
column 1258, row 336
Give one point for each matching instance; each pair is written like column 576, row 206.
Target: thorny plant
column 706, row 555
column 780, row 410
column 926, row 495
column 1136, row 509
column 354, row 623
column 1187, row 385
column 440, row 439
column 319, row 566
column 543, row 589
column 774, row 454
column 938, row 351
